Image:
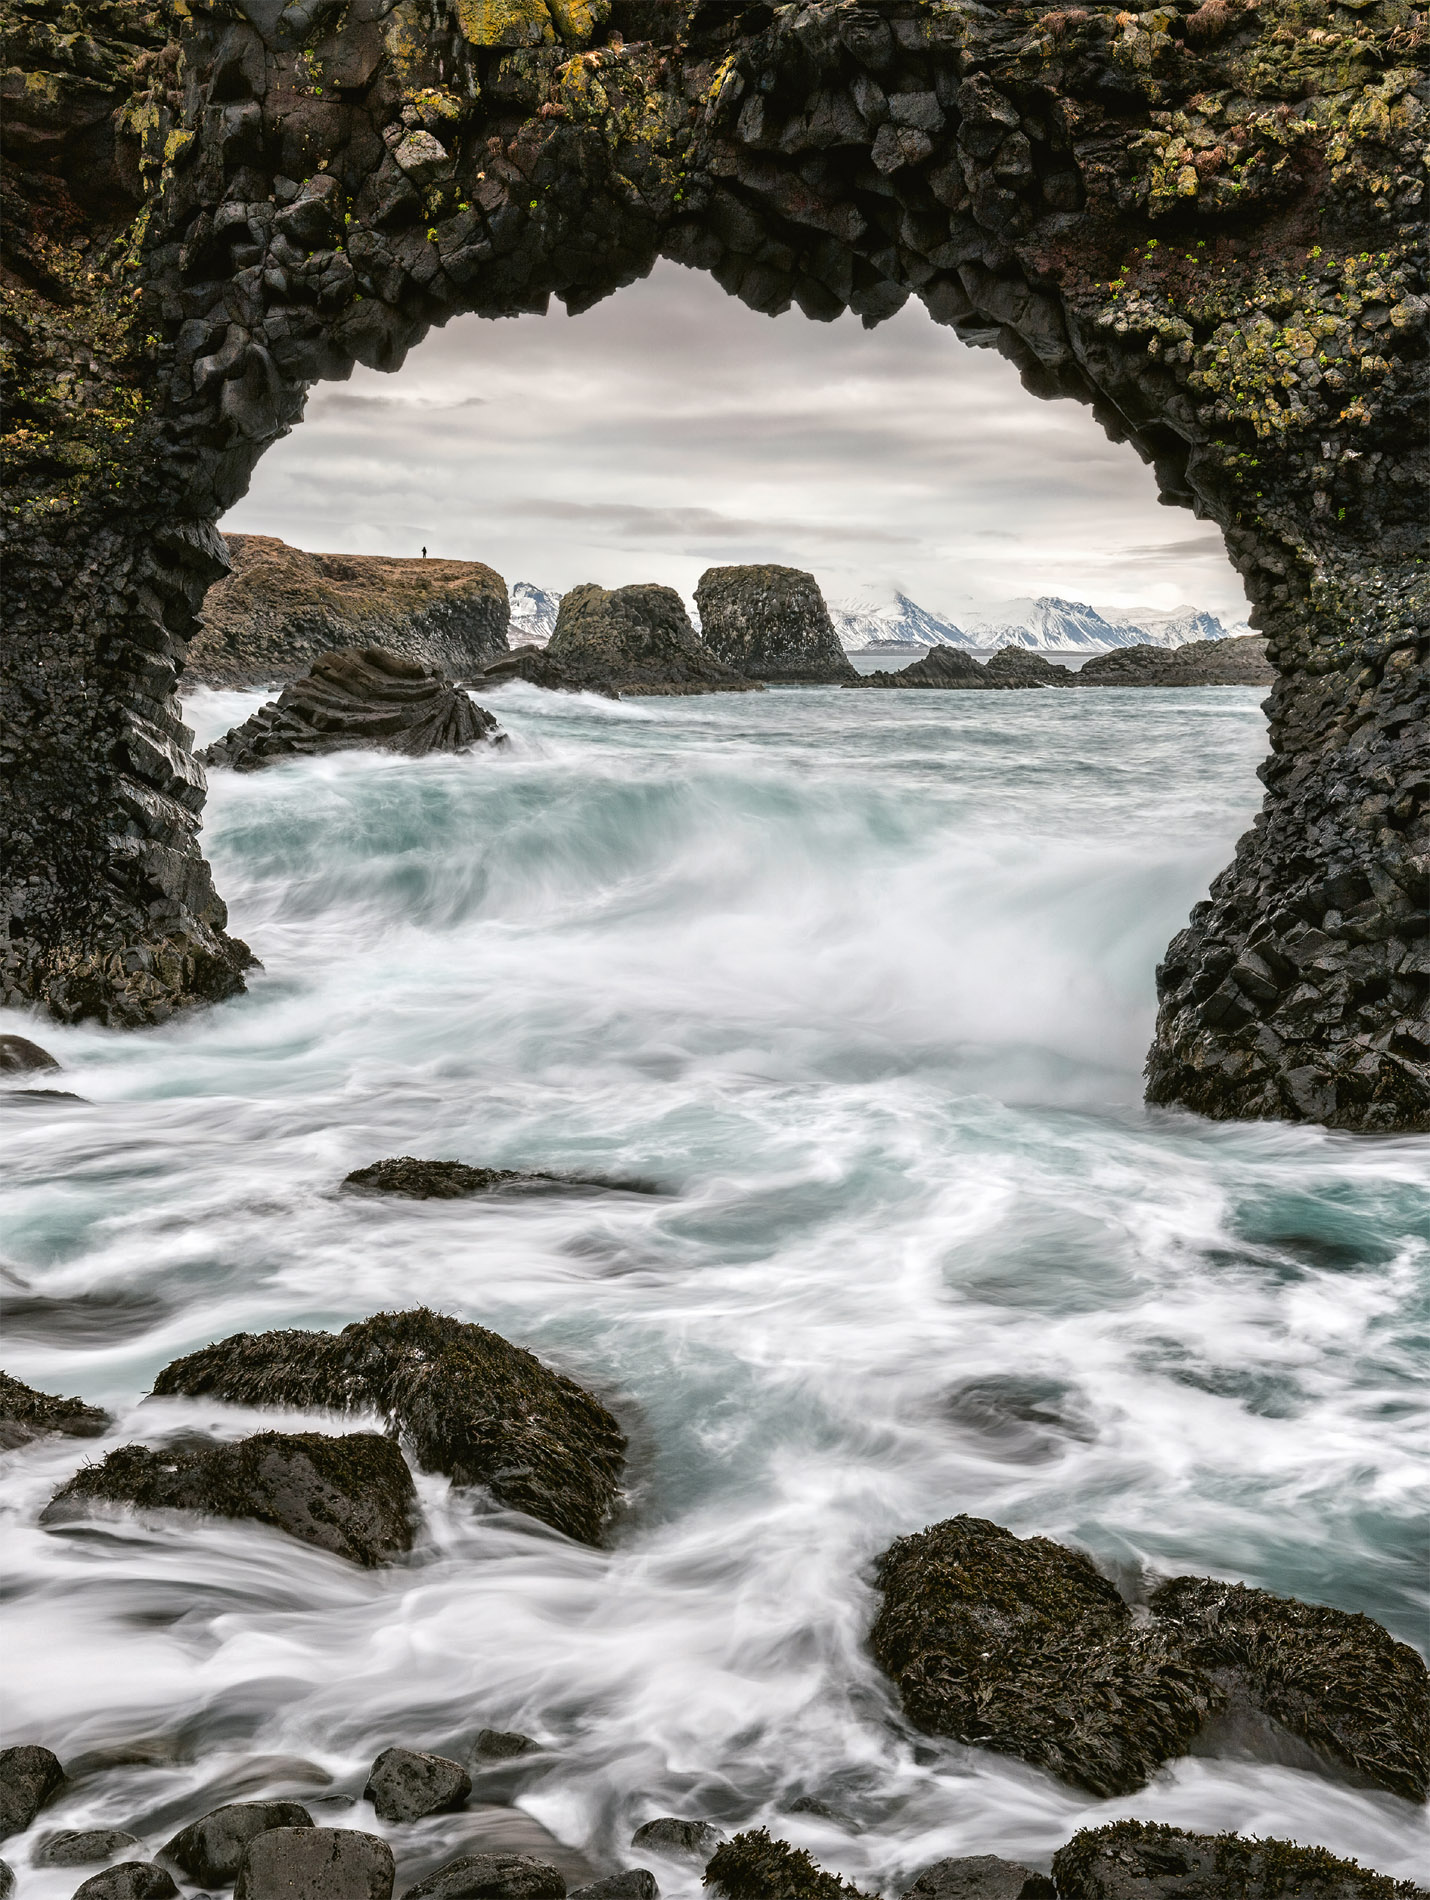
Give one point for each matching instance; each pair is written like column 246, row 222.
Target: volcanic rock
column 211, row 1849
column 1337, row 1680
column 7, row 1880
column 944, row 667
column 469, row 1404
column 1021, row 666
column 1143, row 1860
column 353, row 1495
column 315, row 1863
column 363, row 698
column 72, row 1847
column 1240, row 661
column 755, row 1867
column 980, row 1877
column 28, row 1777
column 771, row 623
column 129, row 1880
column 411, row 1179
column 27, row 1414
column 1020, row 1646
column 537, row 667
column 279, row 607
column 404, row 1784
column 692, row 1840
column 636, row 1884
column 491, row 1877
column 636, row 640
column 502, row 1744
column 20, row 1056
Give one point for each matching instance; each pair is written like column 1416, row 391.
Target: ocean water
column 864, row 984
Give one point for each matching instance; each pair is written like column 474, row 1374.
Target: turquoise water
column 865, row 983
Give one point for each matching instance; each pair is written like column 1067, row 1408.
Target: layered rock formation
column 1205, row 221
column 1235, row 662
column 365, row 698
column 771, row 623
column 944, row 669
column 278, row 608
column 634, row 640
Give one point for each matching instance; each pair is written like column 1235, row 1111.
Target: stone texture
column 27, row 1414
column 75, row 1847
column 352, row 1496
column 755, row 1867
column 1236, row 662
column 945, row 669
column 502, row 1744
column 315, row 1863
column 1143, row 1860
column 211, row 1849
column 1206, row 223
column 980, row 1877
column 28, row 1777
column 363, row 698
column 415, row 1180
column 771, row 623
column 637, row 1884
column 20, row 1056
column 1013, row 666
column 668, row 1834
column 130, row 1880
column 635, row 640
column 468, row 1403
column 491, row 1877
column 404, row 1784
column 279, row 607
column 537, row 667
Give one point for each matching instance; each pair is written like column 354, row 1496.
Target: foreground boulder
column 491, row 1877
column 404, row 1784
column 981, row 1877
column 944, row 668
column 315, row 1863
column 771, row 623
column 28, row 1778
column 636, row 1884
column 1142, row 1860
column 129, row 1880
column 76, row 1847
column 279, row 607
column 755, row 1867
column 353, row 1496
column 27, row 1414
column 636, row 640
column 211, row 1850
column 469, row 1404
column 1014, row 666
column 363, row 698
column 1019, row 1645
column 1339, row 1681
column 1240, row 661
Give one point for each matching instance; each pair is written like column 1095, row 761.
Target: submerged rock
column 945, row 668
column 636, row 1884
column 362, row 698
column 503, row 1744
column 771, row 623
column 404, row 1784
column 636, row 640
column 353, row 1495
column 1021, row 666
column 210, row 1850
column 1143, row 1860
column 130, row 1880
column 491, row 1877
column 27, row 1414
column 75, row 1847
column 28, row 1777
column 1337, row 1680
column 414, row 1180
column 1020, row 1646
column 755, row 1867
column 20, row 1056
column 981, row 1877
column 315, row 1863
column 279, row 607
column 470, row 1404
column 1240, row 661
column 689, row 1840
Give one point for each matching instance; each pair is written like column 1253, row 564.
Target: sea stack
column 635, row 640
column 1240, row 661
column 771, row 624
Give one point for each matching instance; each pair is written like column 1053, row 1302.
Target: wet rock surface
column 210, row 1850
column 404, row 1784
column 352, row 1496
column 1020, row 1646
column 20, row 1056
column 491, row 1877
column 753, row 1866
column 502, row 1744
column 468, row 1403
column 29, row 1776
column 1240, row 661
column 944, row 668
column 981, row 1877
column 1020, row 667
column 130, row 1880
column 278, row 608
column 315, row 1863
column 538, row 668
column 364, row 698
column 637, row 1884
column 771, row 623
column 75, row 1847
column 635, row 640
column 26, row 1414
column 1142, row 1860
column 684, row 1840
column 411, row 1179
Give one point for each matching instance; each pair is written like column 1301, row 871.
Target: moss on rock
column 754, row 1866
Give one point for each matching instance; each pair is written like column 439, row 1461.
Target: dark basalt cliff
column 1206, row 220
column 633, row 640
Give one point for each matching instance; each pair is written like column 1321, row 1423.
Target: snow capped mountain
column 866, row 622
column 533, row 615
column 1171, row 627
column 1050, row 625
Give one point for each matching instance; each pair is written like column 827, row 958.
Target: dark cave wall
column 1207, row 222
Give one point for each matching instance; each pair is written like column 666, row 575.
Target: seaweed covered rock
column 353, row 1495
column 981, row 1877
column 491, row 1877
column 404, row 1784
column 27, row 1414
column 1337, row 1680
column 315, row 1863
column 364, row 698
column 754, row 1866
column 771, row 623
column 29, row 1775
column 1014, row 666
column 211, row 1850
column 944, row 668
column 1020, row 1646
column 1240, row 661
column 468, row 1403
column 635, row 640
column 279, row 607
column 1143, row 1860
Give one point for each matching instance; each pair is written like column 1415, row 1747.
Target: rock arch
column 1206, row 220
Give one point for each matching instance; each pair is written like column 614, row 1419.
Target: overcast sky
column 671, row 429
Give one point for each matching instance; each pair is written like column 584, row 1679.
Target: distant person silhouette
column 424, row 554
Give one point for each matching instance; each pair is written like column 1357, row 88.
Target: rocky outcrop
column 1014, row 666
column 755, row 1867
column 981, row 1877
column 468, row 1403
column 210, row 1850
column 491, row 1877
column 363, row 698
column 29, row 1776
column 636, row 1884
column 536, row 666
column 414, row 1180
column 130, row 1880
column 1236, row 662
column 404, row 1784
column 635, row 640
column 679, row 1838
column 352, row 1496
column 279, row 607
column 1143, row 1860
column 771, row 624
column 27, row 1414
column 944, row 669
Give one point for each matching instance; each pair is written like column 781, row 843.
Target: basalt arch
column 1205, row 220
